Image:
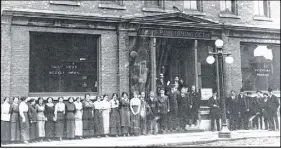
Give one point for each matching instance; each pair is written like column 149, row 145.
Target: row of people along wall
column 171, row 111
column 32, row 120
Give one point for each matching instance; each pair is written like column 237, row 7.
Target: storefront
column 51, row 54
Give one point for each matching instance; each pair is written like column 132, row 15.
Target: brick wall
column 210, row 8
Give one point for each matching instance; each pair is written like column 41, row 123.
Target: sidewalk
column 152, row 140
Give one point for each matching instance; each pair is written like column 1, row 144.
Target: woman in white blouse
column 59, row 118
column 78, row 118
column 105, row 114
column 135, row 104
column 5, row 120
column 24, row 120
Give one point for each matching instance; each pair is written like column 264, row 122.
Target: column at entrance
column 153, row 63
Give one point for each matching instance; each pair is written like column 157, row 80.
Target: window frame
column 266, row 8
column 234, row 7
column 58, row 94
column 199, row 5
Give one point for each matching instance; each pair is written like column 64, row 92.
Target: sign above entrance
column 175, row 33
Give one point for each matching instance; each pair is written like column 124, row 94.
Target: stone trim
column 147, row 9
column 195, row 13
column 65, row 2
column 232, row 16
column 262, row 18
column 112, row 6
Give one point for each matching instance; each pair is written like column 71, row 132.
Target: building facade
column 69, row 48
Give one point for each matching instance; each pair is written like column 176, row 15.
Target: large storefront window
column 63, row 62
column 260, row 66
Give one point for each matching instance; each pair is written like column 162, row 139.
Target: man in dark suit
column 173, row 114
column 264, row 107
column 232, row 106
column 272, row 111
column 258, row 100
column 241, row 99
column 161, row 83
column 195, row 98
column 215, row 112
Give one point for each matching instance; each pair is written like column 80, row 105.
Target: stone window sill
column 112, row 6
column 262, row 18
column 195, row 13
column 233, row 16
column 147, row 9
column 65, row 2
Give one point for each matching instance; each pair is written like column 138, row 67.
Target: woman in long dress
column 98, row 119
column 78, row 118
column 5, row 121
column 40, row 107
column 59, row 118
column 115, row 124
column 32, row 113
column 125, row 114
column 70, row 118
column 87, row 117
column 15, row 124
column 24, row 120
column 105, row 114
column 135, row 104
column 50, row 123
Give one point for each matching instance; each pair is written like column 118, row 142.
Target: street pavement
column 175, row 139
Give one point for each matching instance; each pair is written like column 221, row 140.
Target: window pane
column 63, row 62
column 152, row 3
column 260, row 66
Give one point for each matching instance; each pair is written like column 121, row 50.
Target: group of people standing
column 247, row 112
column 31, row 119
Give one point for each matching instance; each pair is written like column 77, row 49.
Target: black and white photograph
column 140, row 73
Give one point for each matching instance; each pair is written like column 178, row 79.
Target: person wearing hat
column 273, row 108
column 215, row 112
column 241, row 99
column 265, row 108
column 245, row 110
column 232, row 106
column 164, row 109
column 257, row 106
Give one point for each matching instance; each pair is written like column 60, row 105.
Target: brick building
column 69, row 48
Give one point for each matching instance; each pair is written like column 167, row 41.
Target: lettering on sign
column 175, row 33
column 64, row 69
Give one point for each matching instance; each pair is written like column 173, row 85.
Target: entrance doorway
column 175, row 58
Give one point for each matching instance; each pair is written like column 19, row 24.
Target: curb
column 211, row 141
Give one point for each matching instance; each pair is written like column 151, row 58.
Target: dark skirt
column 33, row 131
column 50, row 128
column 125, row 116
column 25, row 128
column 15, row 127
column 70, row 125
column 115, row 124
column 5, row 131
column 98, row 123
column 88, row 122
column 183, row 117
column 59, row 125
column 135, row 122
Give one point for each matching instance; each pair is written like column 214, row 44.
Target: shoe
column 60, row 139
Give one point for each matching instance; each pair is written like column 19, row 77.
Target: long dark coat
column 215, row 112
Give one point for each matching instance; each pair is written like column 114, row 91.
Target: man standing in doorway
column 195, row 98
